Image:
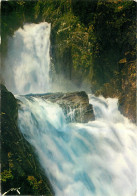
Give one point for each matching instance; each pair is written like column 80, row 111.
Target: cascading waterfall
column 90, row 159
column 28, row 60
column 97, row 158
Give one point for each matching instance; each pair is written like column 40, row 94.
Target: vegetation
column 90, row 40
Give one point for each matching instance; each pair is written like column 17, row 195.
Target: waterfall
column 97, row 158
column 27, row 63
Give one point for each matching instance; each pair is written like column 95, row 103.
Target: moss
column 6, row 174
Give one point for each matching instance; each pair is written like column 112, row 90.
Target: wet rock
column 19, row 165
column 126, row 107
column 75, row 105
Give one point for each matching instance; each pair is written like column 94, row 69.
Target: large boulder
column 19, row 165
column 75, row 105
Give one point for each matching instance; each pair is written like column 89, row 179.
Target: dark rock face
column 19, row 165
column 75, row 105
column 127, row 105
column 124, row 87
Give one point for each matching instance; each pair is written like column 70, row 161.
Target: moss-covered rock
column 127, row 96
column 19, row 165
column 123, row 86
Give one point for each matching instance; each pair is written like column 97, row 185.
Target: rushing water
column 28, row 60
column 97, row 158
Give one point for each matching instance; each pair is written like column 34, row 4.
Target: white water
column 98, row 158
column 28, row 59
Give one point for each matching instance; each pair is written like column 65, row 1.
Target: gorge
column 59, row 141
column 93, row 158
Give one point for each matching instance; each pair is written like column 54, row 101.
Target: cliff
column 19, row 165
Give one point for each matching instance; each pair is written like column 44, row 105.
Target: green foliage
column 34, row 183
column 6, row 175
column 88, row 38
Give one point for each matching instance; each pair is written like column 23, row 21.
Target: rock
column 8, row 103
column 75, row 105
column 19, row 165
column 127, row 106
